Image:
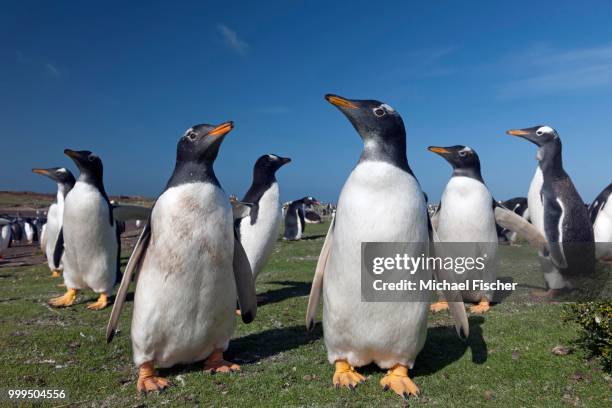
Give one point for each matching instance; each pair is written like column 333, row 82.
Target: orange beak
column 340, row 102
column 438, row 150
column 222, row 129
column 42, row 172
column 517, row 132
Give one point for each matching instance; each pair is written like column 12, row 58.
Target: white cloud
column 52, row 70
column 232, row 40
column 548, row 71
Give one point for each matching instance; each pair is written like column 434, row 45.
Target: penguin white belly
column 378, row 202
column 299, row 226
column 186, row 294
column 466, row 215
column 603, row 232
column 52, row 229
column 258, row 239
column 29, row 232
column 534, row 200
column 90, row 255
column 5, row 236
column 43, row 239
column 536, row 213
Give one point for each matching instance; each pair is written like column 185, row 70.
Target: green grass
column 506, row 362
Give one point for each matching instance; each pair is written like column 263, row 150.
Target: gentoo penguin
column 466, row 214
column 190, row 269
column 55, row 215
column 6, row 235
column 258, row 231
column 17, row 230
column 520, row 207
column 295, row 224
column 558, row 212
column 381, row 201
column 89, row 234
column 600, row 213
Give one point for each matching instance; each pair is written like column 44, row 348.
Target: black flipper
column 59, row 249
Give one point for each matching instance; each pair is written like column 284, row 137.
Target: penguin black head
column 60, row 175
column 380, row 127
column 310, row 201
column 539, row 135
column 89, row 165
column 201, row 143
column 373, row 120
column 463, row 159
column 268, row 164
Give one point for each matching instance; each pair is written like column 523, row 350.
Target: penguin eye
column 91, row 157
column 379, row 112
column 539, row 133
column 462, row 154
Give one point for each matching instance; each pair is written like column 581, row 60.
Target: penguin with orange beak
column 190, row 269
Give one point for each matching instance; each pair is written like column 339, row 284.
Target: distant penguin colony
column 55, row 214
column 466, row 215
column 199, row 251
column 600, row 213
column 559, row 213
column 258, row 230
column 295, row 223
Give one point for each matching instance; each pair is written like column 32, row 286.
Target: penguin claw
column 438, row 306
column 216, row 364
column 67, row 299
column 481, row 307
column 397, row 380
column 152, row 384
column 99, row 304
column 346, row 376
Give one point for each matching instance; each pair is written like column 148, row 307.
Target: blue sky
column 125, row 79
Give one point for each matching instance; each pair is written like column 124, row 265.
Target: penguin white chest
column 52, row 229
column 534, row 200
column 186, row 294
column 90, row 257
column 379, row 202
column 466, row 213
column 258, row 239
column 603, row 231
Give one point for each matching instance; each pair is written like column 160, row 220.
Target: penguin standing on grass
column 466, row 215
column 558, row 212
column 189, row 267
column 295, row 223
column 258, row 231
column 381, row 201
column 600, row 213
column 89, row 235
column 55, row 215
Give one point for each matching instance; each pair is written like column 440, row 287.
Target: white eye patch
column 272, row 157
column 188, row 131
column 387, row 108
column 546, row 130
column 466, row 149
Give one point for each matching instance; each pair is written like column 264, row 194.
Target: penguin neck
column 471, row 172
column 262, row 181
column 393, row 153
column 193, row 172
column 550, row 160
column 93, row 180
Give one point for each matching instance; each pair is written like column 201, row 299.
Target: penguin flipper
column 513, row 222
column 133, row 264
column 240, row 209
column 245, row 284
column 4, row 221
column 127, row 212
column 317, row 281
column 59, row 249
